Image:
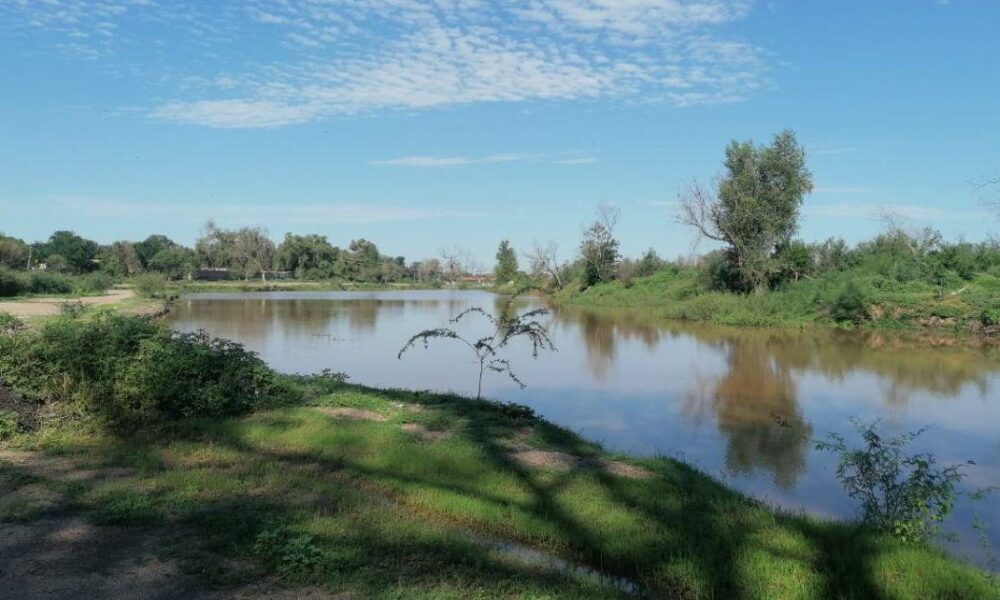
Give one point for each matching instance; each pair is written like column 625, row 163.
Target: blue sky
column 423, row 124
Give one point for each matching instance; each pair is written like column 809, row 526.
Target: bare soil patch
column 425, row 434
column 50, row 306
column 545, row 459
column 356, row 414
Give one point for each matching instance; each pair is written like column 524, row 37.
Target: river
column 744, row 405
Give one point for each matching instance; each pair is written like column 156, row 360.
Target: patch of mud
column 546, row 459
column 425, row 434
column 356, row 414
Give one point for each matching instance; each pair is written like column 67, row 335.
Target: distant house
column 479, row 278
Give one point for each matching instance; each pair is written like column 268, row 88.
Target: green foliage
column 288, row 554
column 13, row 253
column 906, row 495
column 45, row 282
column 72, row 309
column 755, row 209
column 8, row 424
column 504, row 328
column 130, row 372
column 849, row 305
column 506, row 269
column 150, row 285
column 11, row 283
column 95, row 283
column 10, row 324
column 174, row 262
column 599, row 251
column 75, row 252
column 990, row 317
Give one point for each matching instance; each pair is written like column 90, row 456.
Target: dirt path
column 50, row 306
column 61, row 555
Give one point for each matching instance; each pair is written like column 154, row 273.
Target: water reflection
column 744, row 402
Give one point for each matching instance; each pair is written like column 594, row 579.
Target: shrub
column 151, row 285
column 45, row 282
column 288, row 554
column 8, row 424
column 849, row 305
column 10, row 324
column 906, row 495
column 95, row 283
column 132, row 373
column 72, row 309
column 11, row 283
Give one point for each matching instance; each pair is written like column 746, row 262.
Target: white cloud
column 314, row 59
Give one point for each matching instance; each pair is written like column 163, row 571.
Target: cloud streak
column 319, row 59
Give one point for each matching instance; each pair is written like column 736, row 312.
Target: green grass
column 366, row 507
column 680, row 294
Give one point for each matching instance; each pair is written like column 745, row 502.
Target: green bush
column 46, row 282
column 10, row 324
column 11, row 283
column 990, row 317
column 906, row 495
column 8, row 424
column 95, row 283
column 151, row 285
column 131, row 373
column 849, row 305
column 286, row 553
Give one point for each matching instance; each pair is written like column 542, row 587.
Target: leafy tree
column 649, row 264
column 176, row 262
column 599, row 248
column 755, row 207
column 253, row 251
column 13, row 252
column 506, row 268
column 77, row 252
column 120, row 259
column 152, row 246
column 307, row 255
column 216, row 248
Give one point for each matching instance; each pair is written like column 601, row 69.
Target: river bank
column 366, row 492
column 678, row 294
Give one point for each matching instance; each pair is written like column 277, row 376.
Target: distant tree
column 215, row 248
column 176, row 262
column 152, row 246
column 506, row 268
column 544, row 262
column 307, row 255
column 428, row 270
column 77, row 252
column 455, row 263
column 254, row 252
column 648, row 264
column 755, row 207
column 599, row 248
column 120, row 259
column 13, row 252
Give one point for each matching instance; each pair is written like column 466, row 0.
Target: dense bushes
column 18, row 283
column 132, row 373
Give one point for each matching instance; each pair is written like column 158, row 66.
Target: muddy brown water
column 741, row 404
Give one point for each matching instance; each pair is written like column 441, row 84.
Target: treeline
column 66, row 261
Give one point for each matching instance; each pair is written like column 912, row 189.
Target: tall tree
column 544, row 262
column 153, row 245
column 754, row 209
column 215, row 248
column 254, row 252
column 120, row 259
column 75, row 252
column 307, row 255
column 599, row 248
column 13, row 252
column 506, row 268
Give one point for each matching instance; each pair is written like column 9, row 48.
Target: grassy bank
column 680, row 293
column 403, row 494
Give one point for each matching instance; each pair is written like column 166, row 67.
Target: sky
column 433, row 124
